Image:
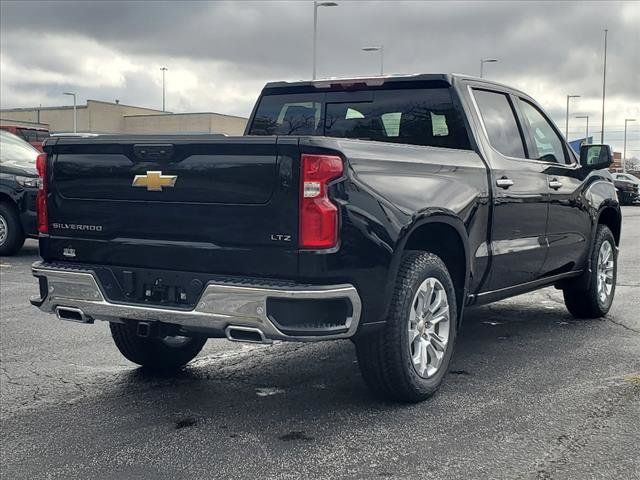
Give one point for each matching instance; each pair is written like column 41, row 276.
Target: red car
column 33, row 135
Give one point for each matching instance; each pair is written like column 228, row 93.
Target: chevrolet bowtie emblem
column 154, row 181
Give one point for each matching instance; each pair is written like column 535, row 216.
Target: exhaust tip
column 72, row 314
column 245, row 334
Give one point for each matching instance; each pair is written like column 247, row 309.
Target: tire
column 590, row 297
column 11, row 233
column 157, row 354
column 386, row 356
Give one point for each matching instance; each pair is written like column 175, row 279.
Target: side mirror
column 595, row 157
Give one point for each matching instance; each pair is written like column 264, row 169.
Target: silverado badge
column 154, row 181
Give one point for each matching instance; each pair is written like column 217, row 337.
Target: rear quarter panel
column 390, row 190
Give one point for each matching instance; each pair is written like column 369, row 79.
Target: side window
column 547, row 144
column 24, row 133
column 295, row 114
column 41, row 135
column 500, row 122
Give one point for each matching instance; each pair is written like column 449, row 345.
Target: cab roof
column 444, row 79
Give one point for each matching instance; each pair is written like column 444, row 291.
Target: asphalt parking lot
column 532, row 394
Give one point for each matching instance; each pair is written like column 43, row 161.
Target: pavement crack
column 626, row 327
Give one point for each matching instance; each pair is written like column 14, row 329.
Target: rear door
column 518, row 243
column 200, row 203
column 569, row 223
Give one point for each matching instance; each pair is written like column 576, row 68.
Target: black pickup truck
column 372, row 209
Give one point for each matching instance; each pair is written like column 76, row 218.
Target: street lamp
column 586, row 135
column 604, row 82
column 317, row 4
column 163, row 69
column 75, row 111
column 483, row 61
column 566, row 126
column 624, row 148
column 380, row 49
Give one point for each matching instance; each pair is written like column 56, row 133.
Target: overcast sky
column 220, row 54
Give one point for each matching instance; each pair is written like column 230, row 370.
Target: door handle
column 555, row 184
column 504, row 182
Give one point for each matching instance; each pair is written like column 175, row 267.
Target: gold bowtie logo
column 154, row 181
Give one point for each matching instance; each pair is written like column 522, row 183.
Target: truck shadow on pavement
column 259, row 385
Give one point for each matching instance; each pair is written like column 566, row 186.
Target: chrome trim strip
column 219, row 306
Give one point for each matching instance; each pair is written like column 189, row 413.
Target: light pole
column 317, row 4
column 483, row 61
column 163, row 69
column 566, row 125
column 604, row 82
column 75, row 111
column 586, row 135
column 624, row 148
column 380, row 49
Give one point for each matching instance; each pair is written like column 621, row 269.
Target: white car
column 627, row 178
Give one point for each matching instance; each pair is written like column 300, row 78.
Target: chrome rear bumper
column 220, row 306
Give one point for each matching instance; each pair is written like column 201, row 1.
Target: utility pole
column 586, row 135
column 75, row 112
column 566, row 125
column 317, row 4
column 163, row 69
column 380, row 49
column 604, row 82
column 483, row 61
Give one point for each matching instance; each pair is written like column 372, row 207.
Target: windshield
column 411, row 116
column 16, row 152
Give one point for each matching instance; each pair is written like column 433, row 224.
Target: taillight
column 41, row 198
column 318, row 215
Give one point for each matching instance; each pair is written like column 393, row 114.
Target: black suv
column 18, row 189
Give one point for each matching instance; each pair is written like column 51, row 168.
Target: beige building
column 106, row 117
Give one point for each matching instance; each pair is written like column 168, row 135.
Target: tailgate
column 200, row 203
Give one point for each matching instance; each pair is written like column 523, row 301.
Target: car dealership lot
column 532, row 394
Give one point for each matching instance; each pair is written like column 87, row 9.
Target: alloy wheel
column 605, row 271
column 429, row 327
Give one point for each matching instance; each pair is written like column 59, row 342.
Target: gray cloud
column 552, row 47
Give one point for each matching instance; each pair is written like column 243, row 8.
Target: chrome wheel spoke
column 439, row 300
column 419, row 357
column 413, row 334
column 435, row 358
column 438, row 342
column 426, row 292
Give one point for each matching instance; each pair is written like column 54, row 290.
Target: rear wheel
column 167, row 353
column 11, row 234
column 407, row 360
column 592, row 297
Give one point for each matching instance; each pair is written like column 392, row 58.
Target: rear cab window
column 499, row 119
column 415, row 116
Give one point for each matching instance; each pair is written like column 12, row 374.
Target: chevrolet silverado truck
column 373, row 209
